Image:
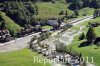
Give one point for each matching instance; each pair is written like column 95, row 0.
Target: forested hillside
column 9, row 23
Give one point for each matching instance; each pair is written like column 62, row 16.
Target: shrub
column 82, row 36
column 61, row 13
column 60, row 47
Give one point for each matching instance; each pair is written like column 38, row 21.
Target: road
column 16, row 44
column 21, row 43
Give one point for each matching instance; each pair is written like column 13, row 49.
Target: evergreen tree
column 76, row 5
column 98, row 44
column 86, row 3
column 95, row 4
column 96, row 13
column 91, row 35
column 66, row 13
column 76, row 13
column 82, row 37
column 69, row 0
column 59, row 22
column 61, row 12
column 31, row 8
column 3, row 25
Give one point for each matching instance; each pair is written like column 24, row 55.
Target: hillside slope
column 10, row 24
column 48, row 9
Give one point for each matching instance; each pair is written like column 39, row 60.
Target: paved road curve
column 16, row 44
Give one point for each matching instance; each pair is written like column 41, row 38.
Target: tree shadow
column 84, row 44
column 96, row 48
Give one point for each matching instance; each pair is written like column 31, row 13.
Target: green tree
column 91, row 35
column 96, row 13
column 60, row 47
column 61, row 12
column 36, row 9
column 82, row 37
column 31, row 8
column 95, row 4
column 98, row 44
column 3, row 25
column 76, row 5
column 66, row 13
column 86, row 3
column 76, row 13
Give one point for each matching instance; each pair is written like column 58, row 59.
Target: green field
column 88, row 11
column 47, row 27
column 49, row 10
column 24, row 57
column 97, row 29
column 87, row 51
column 92, row 20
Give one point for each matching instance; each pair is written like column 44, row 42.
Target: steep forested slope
column 10, row 24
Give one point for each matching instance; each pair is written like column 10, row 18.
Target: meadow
column 24, row 57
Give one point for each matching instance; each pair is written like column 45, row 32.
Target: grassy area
column 75, row 28
column 48, row 9
column 47, row 27
column 92, row 20
column 97, row 29
column 88, row 11
column 87, row 51
column 10, row 24
column 24, row 57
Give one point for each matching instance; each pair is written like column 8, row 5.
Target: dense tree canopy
column 86, row 3
column 78, row 4
column 96, row 13
column 22, row 11
column 95, row 4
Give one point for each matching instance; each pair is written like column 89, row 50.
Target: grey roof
column 52, row 22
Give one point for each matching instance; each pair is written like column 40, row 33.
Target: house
column 53, row 23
